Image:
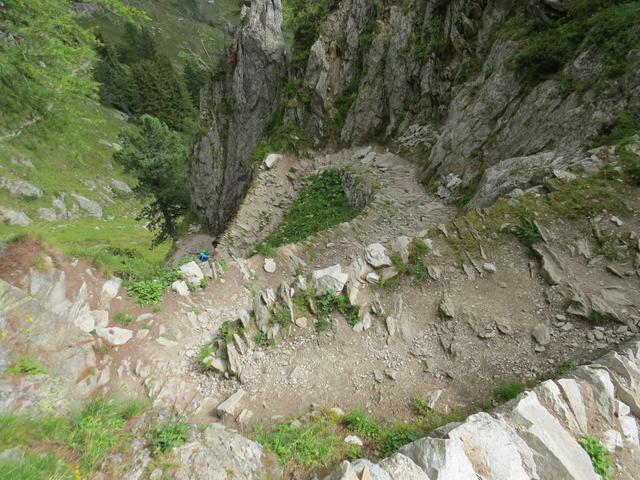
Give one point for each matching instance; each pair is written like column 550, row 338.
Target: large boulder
column 14, row 217
column 192, row 273
column 20, row 188
column 376, row 256
column 219, row 453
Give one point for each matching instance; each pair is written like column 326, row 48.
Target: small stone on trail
column 616, row 220
column 144, row 316
column 373, row 277
column 364, row 324
column 272, row 159
column 191, row 273
column 301, row 322
column 541, row 334
column 269, row 265
column 180, row 287
column 115, row 335
column 433, row 398
column 503, row 327
column 489, row 267
column 447, row 308
column 392, row 374
column 353, row 440
column 230, row 405
column 376, row 256
column 391, row 326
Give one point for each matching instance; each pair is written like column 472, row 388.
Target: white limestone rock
column 191, row 273
column 559, row 454
column 330, row 278
column 272, row 159
column 180, row 287
column 376, row 256
column 115, row 335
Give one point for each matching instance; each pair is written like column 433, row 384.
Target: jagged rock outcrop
column 236, row 106
column 535, row 436
column 438, row 75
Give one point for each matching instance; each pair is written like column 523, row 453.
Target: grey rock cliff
column 443, row 69
column 237, row 106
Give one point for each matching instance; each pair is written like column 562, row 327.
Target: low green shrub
column 148, row 292
column 169, row 435
column 263, row 340
column 600, row 458
column 327, row 302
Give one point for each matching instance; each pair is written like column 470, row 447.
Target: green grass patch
column 508, row 390
column 85, row 437
column 321, row 204
column 123, row 319
column 600, row 458
column 263, row 340
column 25, row 365
column 328, row 302
column 205, row 352
column 228, row 329
column 317, row 440
column 78, row 159
column 280, row 316
column 581, row 198
column 148, row 292
column 415, row 266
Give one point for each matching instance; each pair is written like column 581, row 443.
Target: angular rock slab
column 482, row 444
column 330, row 278
column 401, row 467
column 556, row 452
column 192, row 273
column 376, row 256
column 219, row 451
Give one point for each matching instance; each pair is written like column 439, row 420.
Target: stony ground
column 488, row 316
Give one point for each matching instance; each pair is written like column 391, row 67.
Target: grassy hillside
column 69, row 160
column 180, row 25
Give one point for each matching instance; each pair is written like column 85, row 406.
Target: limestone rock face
column 533, row 437
column 218, row 451
column 237, row 108
column 384, row 74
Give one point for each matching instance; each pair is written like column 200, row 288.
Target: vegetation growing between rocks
column 600, row 458
column 317, row 439
column 578, row 199
column 612, row 25
column 321, row 204
column 59, row 446
column 415, row 266
column 169, row 435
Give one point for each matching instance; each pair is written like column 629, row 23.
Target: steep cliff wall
column 467, row 84
column 488, row 95
column 236, row 107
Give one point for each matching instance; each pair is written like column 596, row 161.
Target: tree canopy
column 45, row 57
column 158, row 157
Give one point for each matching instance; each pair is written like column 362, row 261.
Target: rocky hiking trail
column 493, row 314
